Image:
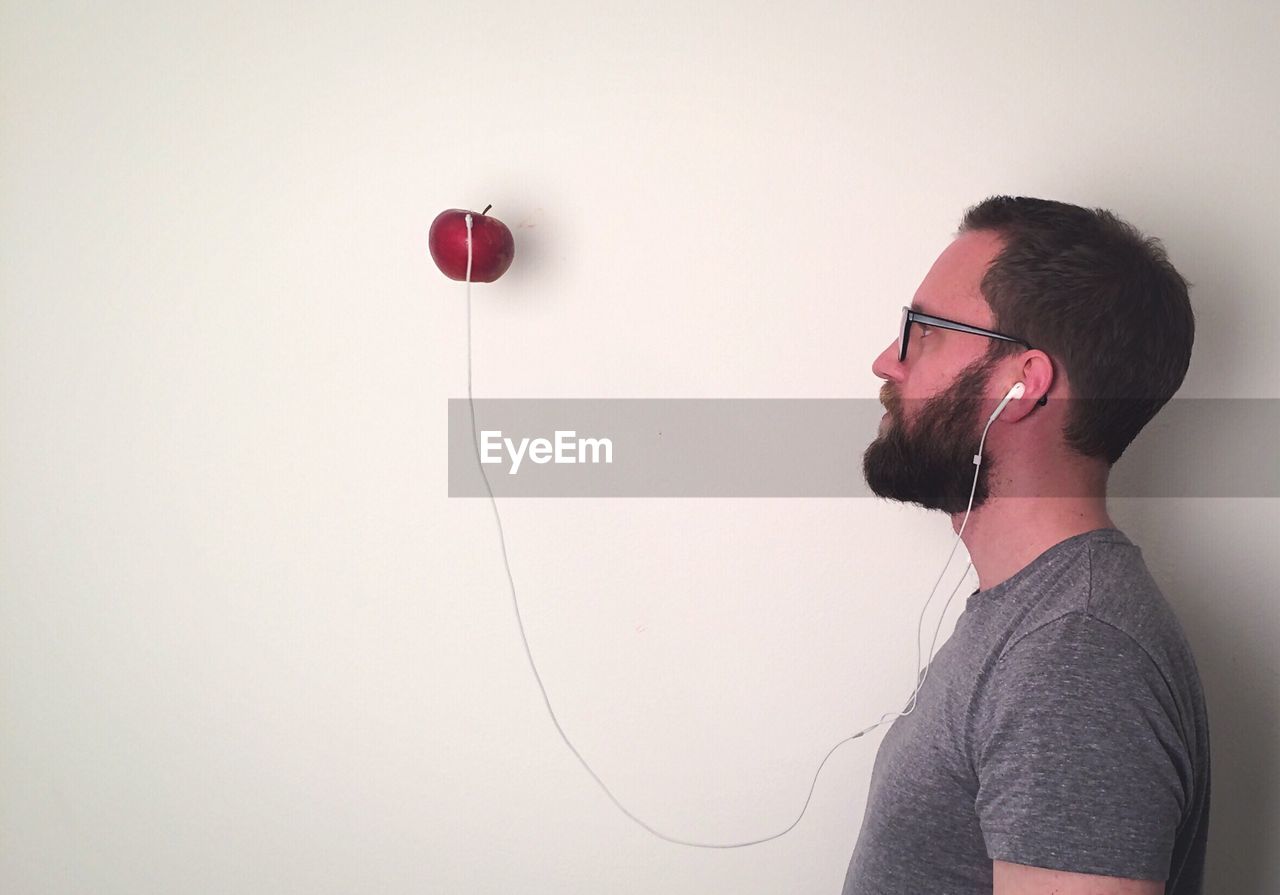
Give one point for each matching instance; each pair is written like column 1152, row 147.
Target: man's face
column 935, row 398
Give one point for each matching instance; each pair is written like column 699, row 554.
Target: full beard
column 929, row 460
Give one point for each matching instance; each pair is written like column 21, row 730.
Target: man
column 1059, row 743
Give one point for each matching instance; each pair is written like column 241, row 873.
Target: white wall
column 248, row 643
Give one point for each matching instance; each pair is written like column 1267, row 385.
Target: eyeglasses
column 909, row 317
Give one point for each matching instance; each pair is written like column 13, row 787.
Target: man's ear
column 1038, row 377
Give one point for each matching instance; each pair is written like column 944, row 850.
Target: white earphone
column 1017, row 391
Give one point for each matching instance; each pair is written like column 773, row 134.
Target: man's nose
column 886, row 366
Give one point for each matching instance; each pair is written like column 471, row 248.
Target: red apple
column 492, row 246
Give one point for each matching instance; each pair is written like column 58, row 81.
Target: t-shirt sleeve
column 1079, row 761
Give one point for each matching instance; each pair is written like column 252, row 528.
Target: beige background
column 247, row 642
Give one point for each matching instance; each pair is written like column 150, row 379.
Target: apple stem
column 486, row 209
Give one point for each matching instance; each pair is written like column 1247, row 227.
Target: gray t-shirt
column 1062, row 725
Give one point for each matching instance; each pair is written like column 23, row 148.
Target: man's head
column 1111, row 325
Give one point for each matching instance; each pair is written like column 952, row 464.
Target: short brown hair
column 1101, row 300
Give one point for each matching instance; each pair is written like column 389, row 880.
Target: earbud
column 1016, row 392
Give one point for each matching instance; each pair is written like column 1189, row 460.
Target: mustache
column 891, row 400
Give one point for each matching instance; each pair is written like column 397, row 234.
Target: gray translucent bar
column 749, row 447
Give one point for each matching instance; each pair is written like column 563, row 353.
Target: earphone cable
column 538, row 678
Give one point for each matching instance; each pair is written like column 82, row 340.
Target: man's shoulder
column 1108, row 624
column 1106, row 581
column 1124, row 595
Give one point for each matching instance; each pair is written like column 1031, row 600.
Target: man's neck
column 1005, row 534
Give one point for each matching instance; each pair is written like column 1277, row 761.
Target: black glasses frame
column 910, row 316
